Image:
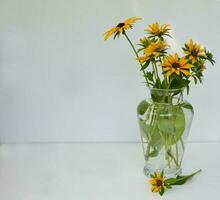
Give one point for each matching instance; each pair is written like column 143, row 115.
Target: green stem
column 155, row 70
column 126, row 36
column 174, row 159
column 149, row 118
column 183, row 147
column 182, row 143
column 164, row 75
column 166, row 145
column 147, row 151
column 152, row 129
column 177, row 152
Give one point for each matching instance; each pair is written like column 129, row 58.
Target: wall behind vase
column 60, row 82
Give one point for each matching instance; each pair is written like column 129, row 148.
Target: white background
column 59, row 82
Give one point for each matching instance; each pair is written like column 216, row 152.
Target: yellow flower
column 127, row 24
column 176, row 64
column 154, row 50
column 158, row 30
column 157, row 182
column 194, row 51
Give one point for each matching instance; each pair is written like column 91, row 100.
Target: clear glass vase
column 164, row 121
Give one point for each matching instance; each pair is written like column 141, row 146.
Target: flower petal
column 167, row 68
column 132, row 20
column 170, row 72
column 153, row 181
column 186, row 72
column 109, row 33
column 183, row 61
column 187, row 66
column 176, row 58
column 177, row 71
column 155, row 189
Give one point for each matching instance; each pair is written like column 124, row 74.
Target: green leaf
column 150, row 76
column 187, row 89
column 152, row 176
column 180, row 180
column 145, row 65
column 142, row 107
column 168, row 186
column 153, row 153
column 144, row 129
column 151, row 134
column 195, row 79
column 187, row 106
column 179, row 83
column 170, row 181
column 157, row 96
column 172, row 125
column 210, row 57
column 161, row 192
column 139, row 50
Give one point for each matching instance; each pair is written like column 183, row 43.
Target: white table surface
column 112, row 171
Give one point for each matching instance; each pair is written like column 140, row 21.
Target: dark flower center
column 159, row 183
column 120, row 25
column 159, row 34
column 176, row 65
column 194, row 53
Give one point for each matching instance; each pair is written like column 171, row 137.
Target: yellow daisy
column 158, row 30
column 173, row 63
column 153, row 50
column 193, row 51
column 157, row 182
column 127, row 24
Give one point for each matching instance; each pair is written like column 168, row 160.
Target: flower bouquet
column 165, row 118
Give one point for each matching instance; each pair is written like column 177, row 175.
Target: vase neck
column 168, row 96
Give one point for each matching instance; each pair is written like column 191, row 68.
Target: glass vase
column 164, row 121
